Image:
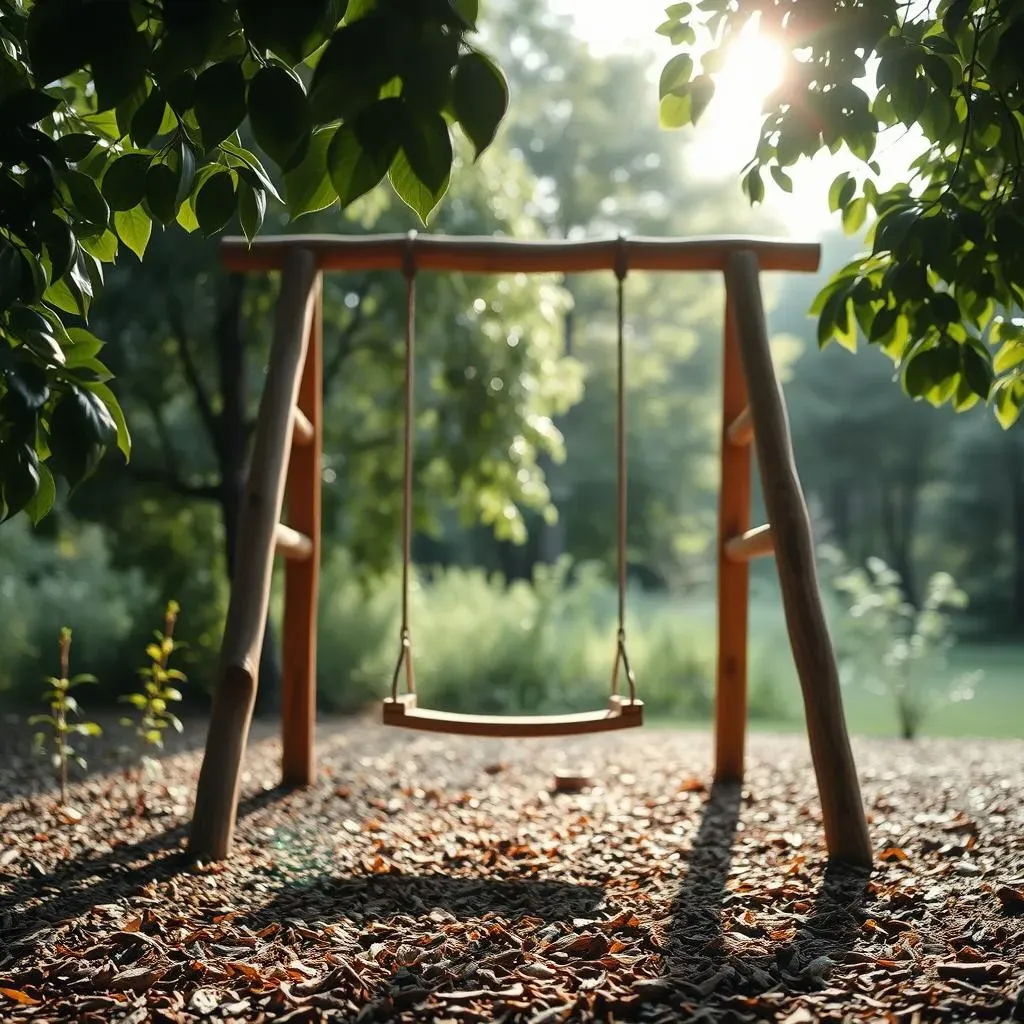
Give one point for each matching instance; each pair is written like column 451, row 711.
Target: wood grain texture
column 455, row 254
column 733, row 576
column 620, row 714
column 302, row 579
column 842, row 807
column 213, row 821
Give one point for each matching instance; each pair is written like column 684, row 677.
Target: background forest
column 514, row 610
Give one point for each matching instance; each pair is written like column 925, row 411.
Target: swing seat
column 621, row 713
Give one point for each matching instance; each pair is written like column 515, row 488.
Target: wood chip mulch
column 450, row 880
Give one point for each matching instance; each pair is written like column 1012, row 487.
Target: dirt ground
column 433, row 879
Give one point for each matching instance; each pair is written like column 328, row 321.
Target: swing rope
column 401, row 710
column 405, row 636
column 621, row 653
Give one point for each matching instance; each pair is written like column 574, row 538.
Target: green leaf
column 162, row 191
column 308, row 187
column 147, row 121
column 124, row 184
column 412, row 190
column 977, row 371
column 480, row 99
column 469, row 11
column 353, row 171
column 81, row 428
column 781, row 178
column 252, row 207
column 86, row 197
column 20, row 477
column 26, row 107
column 42, row 501
column 676, row 75
column 292, row 31
column 133, row 228
column 215, row 202
column 119, row 54
column 360, row 58
column 58, row 40
column 674, row 110
column 279, row 113
column 76, row 146
column 252, row 163
column 27, row 385
column 931, row 367
column 103, row 246
column 220, row 101
column 116, row 414
column 428, row 149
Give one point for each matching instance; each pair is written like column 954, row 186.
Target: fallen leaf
column 19, row 997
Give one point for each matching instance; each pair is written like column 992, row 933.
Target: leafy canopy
column 118, row 116
column 943, row 282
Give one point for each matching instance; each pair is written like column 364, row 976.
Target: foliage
column 120, row 116
column 940, row 288
column 545, row 646
column 159, row 688
column 71, row 577
column 62, row 704
column 897, row 649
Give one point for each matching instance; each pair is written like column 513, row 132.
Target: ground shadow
column 703, row 967
column 82, row 882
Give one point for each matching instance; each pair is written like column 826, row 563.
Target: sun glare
column 727, row 134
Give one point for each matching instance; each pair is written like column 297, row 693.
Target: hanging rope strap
column 621, row 653
column 405, row 636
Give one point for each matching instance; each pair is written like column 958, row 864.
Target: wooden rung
column 292, row 544
column 620, row 714
column 302, row 431
column 752, row 544
column 741, row 431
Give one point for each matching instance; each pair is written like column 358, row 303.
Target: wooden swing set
column 285, row 473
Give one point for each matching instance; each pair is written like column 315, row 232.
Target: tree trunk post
column 302, row 578
column 216, row 806
column 846, row 832
column 733, row 575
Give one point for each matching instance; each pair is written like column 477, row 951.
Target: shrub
column 68, row 579
column 484, row 647
column 896, row 650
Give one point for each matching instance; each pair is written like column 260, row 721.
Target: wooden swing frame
column 287, row 450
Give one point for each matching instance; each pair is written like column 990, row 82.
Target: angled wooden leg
column 846, row 831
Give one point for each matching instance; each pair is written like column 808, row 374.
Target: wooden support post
column 755, row 543
column 733, row 576
column 213, row 820
column 302, row 579
column 846, row 832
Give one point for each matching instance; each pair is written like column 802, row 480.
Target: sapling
column 158, row 688
column 62, row 703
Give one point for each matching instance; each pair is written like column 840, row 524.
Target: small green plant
column 899, row 650
column 158, row 689
column 62, row 704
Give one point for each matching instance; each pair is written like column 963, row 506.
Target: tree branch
column 191, row 371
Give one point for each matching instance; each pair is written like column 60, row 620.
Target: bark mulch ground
column 433, row 879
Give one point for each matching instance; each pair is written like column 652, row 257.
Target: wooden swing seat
column 621, row 713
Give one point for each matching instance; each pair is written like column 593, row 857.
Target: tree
column 120, row 115
column 944, row 278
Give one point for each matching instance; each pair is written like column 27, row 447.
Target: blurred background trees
column 515, row 465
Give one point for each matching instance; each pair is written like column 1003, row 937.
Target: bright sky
column 727, row 134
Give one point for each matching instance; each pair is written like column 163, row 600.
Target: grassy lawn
column 997, row 709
